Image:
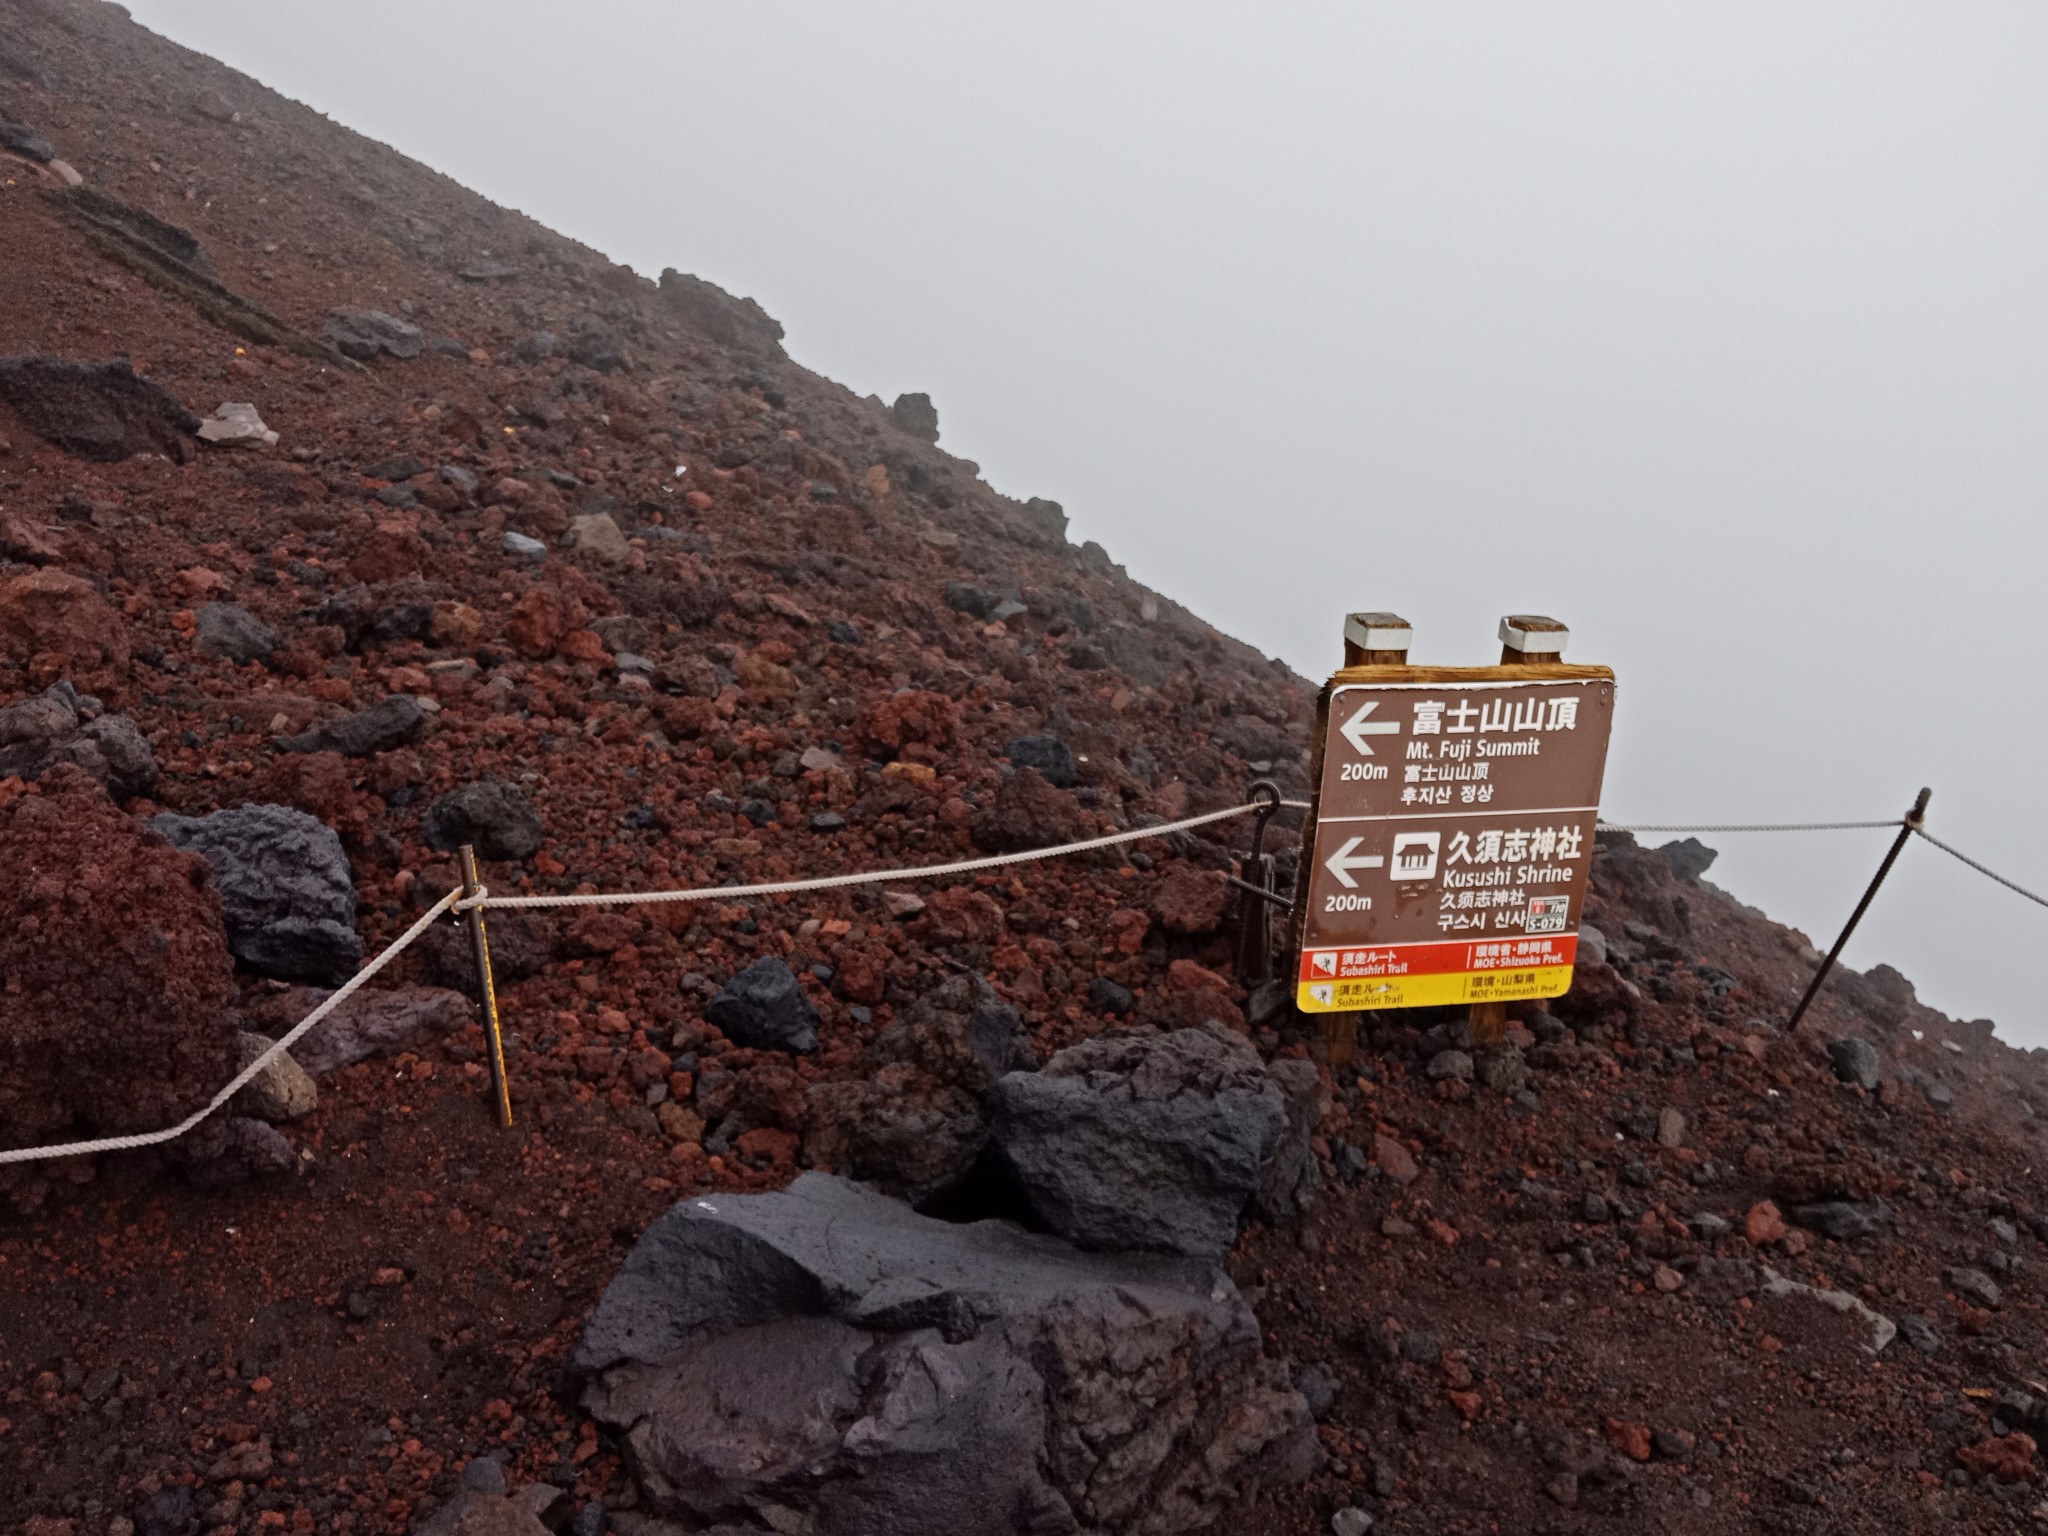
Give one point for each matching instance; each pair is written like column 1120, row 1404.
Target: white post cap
column 1378, row 631
column 1533, row 635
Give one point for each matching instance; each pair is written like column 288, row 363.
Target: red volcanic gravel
column 713, row 619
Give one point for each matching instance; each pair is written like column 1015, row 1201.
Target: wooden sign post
column 1447, row 849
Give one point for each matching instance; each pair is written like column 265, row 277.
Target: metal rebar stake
column 1255, row 925
column 1907, row 828
column 480, row 947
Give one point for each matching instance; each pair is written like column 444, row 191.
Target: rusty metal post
column 480, row 946
column 1912, row 823
column 1255, row 926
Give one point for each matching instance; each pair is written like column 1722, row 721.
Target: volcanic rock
column 236, row 424
column 26, row 142
column 41, row 732
column 1882, row 1328
column 1029, row 813
column 916, row 1123
column 1142, row 1139
column 116, row 967
column 24, row 539
column 827, row 1360
column 97, row 411
column 497, row 819
column 225, row 1150
column 385, row 726
column 234, row 634
column 365, row 333
column 1843, row 1220
column 53, row 613
column 912, row 717
column 917, row 416
column 764, row 1008
column 1293, row 1176
column 374, row 1021
column 599, row 536
column 522, row 944
column 2005, row 1458
column 1976, row 1287
column 290, row 900
column 1856, row 1061
column 1189, row 899
column 723, row 317
column 1689, row 858
column 539, row 1509
column 1053, row 759
column 282, row 1091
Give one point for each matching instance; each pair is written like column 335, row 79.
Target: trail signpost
column 1446, row 857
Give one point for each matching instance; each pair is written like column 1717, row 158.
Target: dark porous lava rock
column 39, row 733
column 1053, row 758
column 764, row 1009
column 365, row 333
column 99, row 411
column 114, row 971
column 234, row 633
column 824, row 1359
column 291, row 903
column 384, row 727
column 1030, row 813
column 496, row 819
column 917, row 1122
column 1141, row 1139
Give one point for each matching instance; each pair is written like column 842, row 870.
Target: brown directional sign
column 1453, row 835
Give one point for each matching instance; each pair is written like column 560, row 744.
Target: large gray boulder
column 1140, row 1139
column 916, row 1122
column 825, row 1360
column 284, row 882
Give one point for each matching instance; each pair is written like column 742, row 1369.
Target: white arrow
column 1342, row 862
column 1357, row 728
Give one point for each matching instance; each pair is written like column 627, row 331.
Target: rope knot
column 468, row 903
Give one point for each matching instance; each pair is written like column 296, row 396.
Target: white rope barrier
column 1988, row 873
column 455, row 901
column 1770, row 826
column 248, row 1073
column 868, row 877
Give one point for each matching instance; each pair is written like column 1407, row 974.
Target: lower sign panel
column 1423, row 975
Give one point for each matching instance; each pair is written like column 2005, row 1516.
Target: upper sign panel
column 1453, row 837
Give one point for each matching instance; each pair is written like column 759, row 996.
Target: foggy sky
column 1717, row 332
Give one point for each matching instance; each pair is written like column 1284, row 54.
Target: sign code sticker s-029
column 1454, row 835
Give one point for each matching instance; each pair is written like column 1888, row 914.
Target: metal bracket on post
column 480, row 947
column 1255, row 930
column 1915, row 818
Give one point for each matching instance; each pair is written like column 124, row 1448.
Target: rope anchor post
column 1915, row 818
column 1255, row 927
column 472, row 906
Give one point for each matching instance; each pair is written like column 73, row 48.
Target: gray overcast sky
column 1716, row 331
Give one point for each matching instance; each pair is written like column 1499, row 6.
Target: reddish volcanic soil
column 1540, row 1300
